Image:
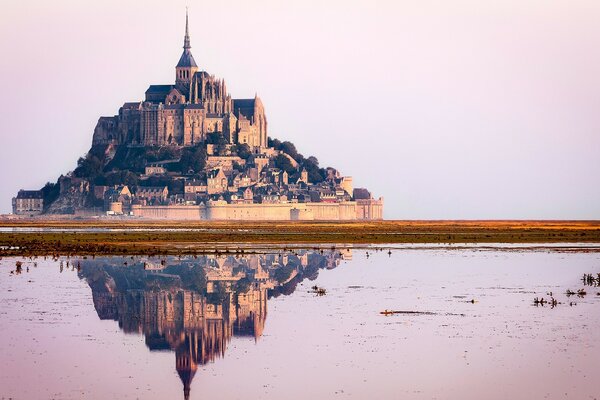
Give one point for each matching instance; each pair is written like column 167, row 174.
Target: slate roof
column 186, row 59
column 361, row 194
column 160, row 89
column 244, row 106
column 30, row 194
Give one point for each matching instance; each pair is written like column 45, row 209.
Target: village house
column 152, row 194
column 117, row 199
column 193, row 189
column 155, row 169
column 28, row 202
column 217, row 181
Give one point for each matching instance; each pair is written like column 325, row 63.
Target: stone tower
column 186, row 67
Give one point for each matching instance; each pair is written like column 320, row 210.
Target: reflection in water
column 194, row 306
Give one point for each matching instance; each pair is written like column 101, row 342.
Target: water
column 251, row 327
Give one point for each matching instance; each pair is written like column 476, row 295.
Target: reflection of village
column 194, row 306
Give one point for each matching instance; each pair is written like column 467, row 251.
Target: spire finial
column 186, row 39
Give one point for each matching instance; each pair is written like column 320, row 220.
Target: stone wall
column 252, row 212
column 170, row 212
column 369, row 209
column 220, row 210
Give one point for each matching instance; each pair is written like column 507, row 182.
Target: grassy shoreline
column 191, row 237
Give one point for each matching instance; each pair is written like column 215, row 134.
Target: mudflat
column 102, row 236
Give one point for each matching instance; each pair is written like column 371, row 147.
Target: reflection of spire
column 185, row 362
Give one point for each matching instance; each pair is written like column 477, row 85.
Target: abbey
column 189, row 151
column 185, row 112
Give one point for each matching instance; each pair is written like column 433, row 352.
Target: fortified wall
column 220, row 210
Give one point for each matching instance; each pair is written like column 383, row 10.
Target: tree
column 289, row 148
column 275, row 143
column 50, row 191
column 243, row 151
column 192, row 159
column 284, row 164
column 315, row 175
column 121, row 178
column 283, row 273
column 237, row 166
column 216, row 138
column 88, row 167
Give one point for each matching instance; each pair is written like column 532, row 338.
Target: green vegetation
column 242, row 150
column 123, row 165
column 311, row 164
column 284, row 164
column 193, row 160
column 113, row 178
column 128, row 163
column 283, row 273
column 51, row 191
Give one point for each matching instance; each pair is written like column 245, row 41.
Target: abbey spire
column 186, row 39
column 186, row 67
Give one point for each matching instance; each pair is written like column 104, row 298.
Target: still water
column 252, row 327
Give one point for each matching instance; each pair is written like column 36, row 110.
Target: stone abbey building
column 183, row 113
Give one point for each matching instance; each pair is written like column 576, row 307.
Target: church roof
column 186, row 59
column 361, row 194
column 160, row 89
column 244, row 106
column 30, row 194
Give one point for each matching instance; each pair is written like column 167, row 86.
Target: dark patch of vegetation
column 220, row 142
column 50, row 191
column 283, row 273
column 220, row 294
column 135, row 159
column 311, row 164
column 242, row 150
column 117, row 178
column 193, row 160
column 284, row 164
column 243, row 285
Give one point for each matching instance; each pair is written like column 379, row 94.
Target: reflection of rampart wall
column 230, row 298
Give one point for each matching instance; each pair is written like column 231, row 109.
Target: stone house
column 217, row 181
column 28, row 202
column 155, row 169
column 152, row 194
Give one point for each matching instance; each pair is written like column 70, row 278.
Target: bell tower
column 186, row 67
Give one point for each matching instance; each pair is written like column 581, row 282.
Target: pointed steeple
column 187, row 60
column 186, row 39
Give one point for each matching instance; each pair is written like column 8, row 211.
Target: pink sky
column 449, row 109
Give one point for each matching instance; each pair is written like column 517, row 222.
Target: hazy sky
column 448, row 109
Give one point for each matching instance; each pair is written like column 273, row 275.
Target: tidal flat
column 130, row 236
column 296, row 323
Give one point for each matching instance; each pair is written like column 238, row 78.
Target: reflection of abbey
column 183, row 113
column 195, row 306
column 191, row 151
